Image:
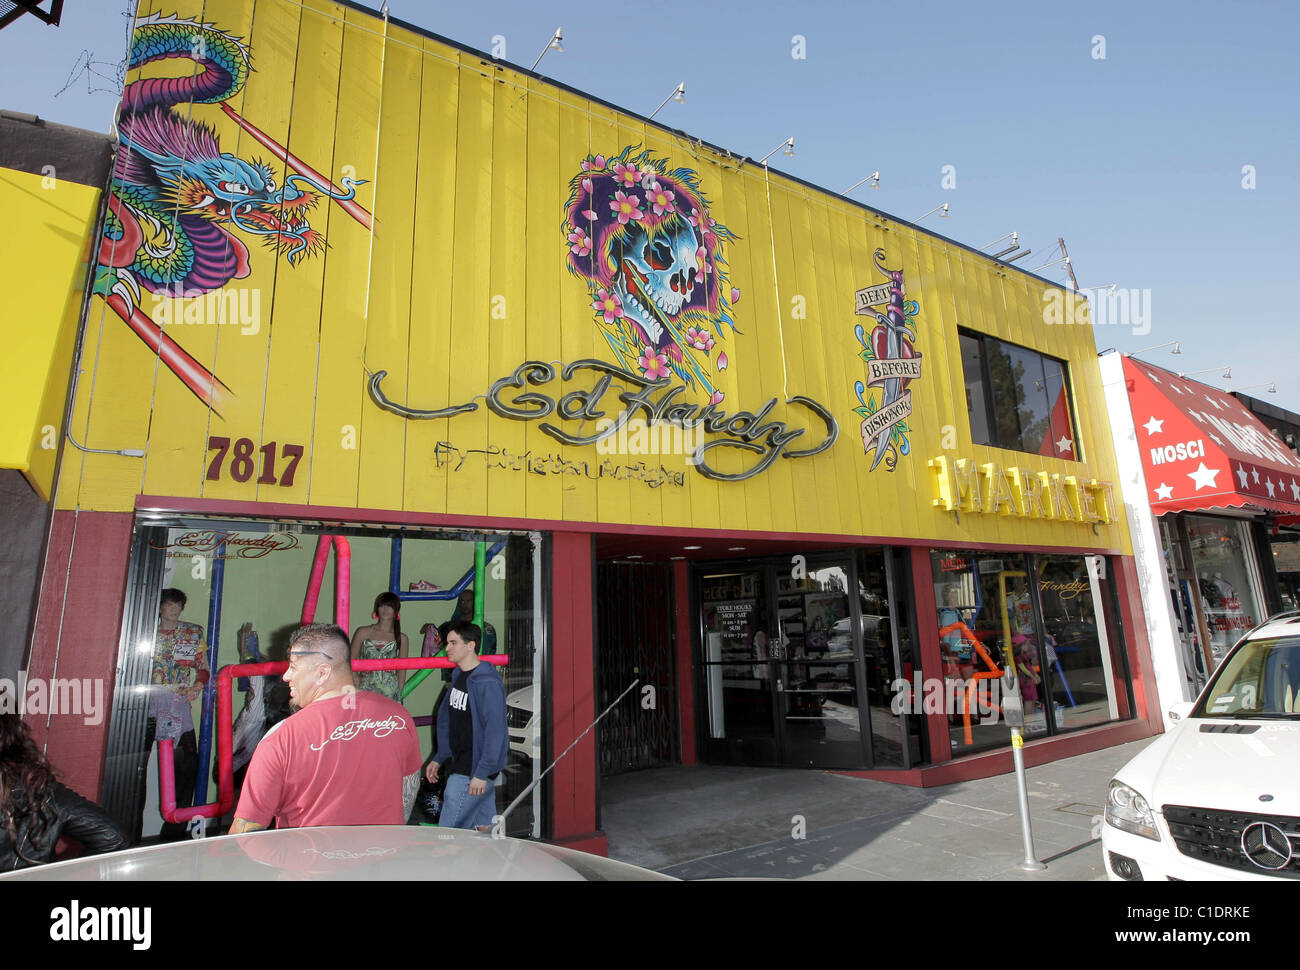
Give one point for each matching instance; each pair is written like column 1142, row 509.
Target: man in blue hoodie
column 473, row 746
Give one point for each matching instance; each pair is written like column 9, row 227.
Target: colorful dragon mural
column 642, row 238
column 176, row 198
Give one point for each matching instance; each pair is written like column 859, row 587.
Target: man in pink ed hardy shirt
column 345, row 757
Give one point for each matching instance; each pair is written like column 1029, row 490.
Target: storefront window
column 1285, row 545
column 244, row 588
column 1184, row 598
column 978, row 616
column 1017, row 398
column 1222, row 559
column 1085, row 669
column 1068, row 659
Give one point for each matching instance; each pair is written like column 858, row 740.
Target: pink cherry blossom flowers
column 608, row 304
column 699, row 338
column 593, row 163
column 660, row 198
column 717, row 397
column 627, row 175
column 579, row 242
column 653, row 365
column 722, row 361
column 627, row 208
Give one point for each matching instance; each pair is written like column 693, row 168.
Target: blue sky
column 1135, row 158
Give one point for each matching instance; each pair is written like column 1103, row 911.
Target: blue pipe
column 210, row 691
column 395, row 568
column 415, row 596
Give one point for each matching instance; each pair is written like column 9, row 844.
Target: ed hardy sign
column 654, row 401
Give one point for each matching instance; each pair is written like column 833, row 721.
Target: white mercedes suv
column 1218, row 797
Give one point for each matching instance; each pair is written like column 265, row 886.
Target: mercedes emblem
column 1266, row 845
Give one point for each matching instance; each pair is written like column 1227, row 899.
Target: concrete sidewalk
column 711, row 822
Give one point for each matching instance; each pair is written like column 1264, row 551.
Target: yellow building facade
column 356, row 276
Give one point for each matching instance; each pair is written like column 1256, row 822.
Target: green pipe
column 480, row 574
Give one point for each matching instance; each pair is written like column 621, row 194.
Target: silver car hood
column 362, row 852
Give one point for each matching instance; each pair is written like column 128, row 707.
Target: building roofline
column 700, row 142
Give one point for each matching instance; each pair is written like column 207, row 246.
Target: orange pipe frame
column 226, row 730
column 994, row 671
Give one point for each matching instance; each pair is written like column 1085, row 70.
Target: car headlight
column 1129, row 811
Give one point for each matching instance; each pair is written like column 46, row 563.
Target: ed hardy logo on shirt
column 348, row 731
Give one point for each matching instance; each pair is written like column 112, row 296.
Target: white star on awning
column 1154, row 425
column 1204, row 477
column 1242, row 475
column 1065, row 444
column 1268, row 483
column 1164, row 492
column 1295, row 490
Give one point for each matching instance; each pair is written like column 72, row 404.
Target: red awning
column 1201, row 449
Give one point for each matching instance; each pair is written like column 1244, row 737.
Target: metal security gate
column 634, row 638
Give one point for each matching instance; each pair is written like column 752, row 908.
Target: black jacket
column 33, row 839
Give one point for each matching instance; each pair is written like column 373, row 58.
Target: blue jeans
column 461, row 810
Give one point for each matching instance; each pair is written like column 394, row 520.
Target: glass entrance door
column 740, row 714
column 782, row 663
column 817, row 670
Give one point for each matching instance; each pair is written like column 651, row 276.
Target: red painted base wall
column 573, row 690
column 78, row 624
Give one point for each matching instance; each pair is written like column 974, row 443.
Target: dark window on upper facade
column 1017, row 398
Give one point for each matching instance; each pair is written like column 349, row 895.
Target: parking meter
column 1013, row 708
column 1013, row 712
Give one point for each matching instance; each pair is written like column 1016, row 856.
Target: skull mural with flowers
column 642, row 238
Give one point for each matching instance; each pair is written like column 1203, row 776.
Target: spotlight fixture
column 1227, row 372
column 941, row 209
column 678, row 95
column 788, row 145
column 1271, row 385
column 1178, row 349
column 554, row 44
column 873, row 178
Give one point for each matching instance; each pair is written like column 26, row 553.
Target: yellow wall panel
column 44, row 280
column 381, row 477
column 452, row 266
column 341, row 405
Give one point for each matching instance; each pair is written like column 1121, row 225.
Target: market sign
column 962, row 485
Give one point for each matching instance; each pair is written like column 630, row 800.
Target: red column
column 78, row 624
column 927, row 640
column 1145, row 694
column 573, row 688
column 685, row 674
